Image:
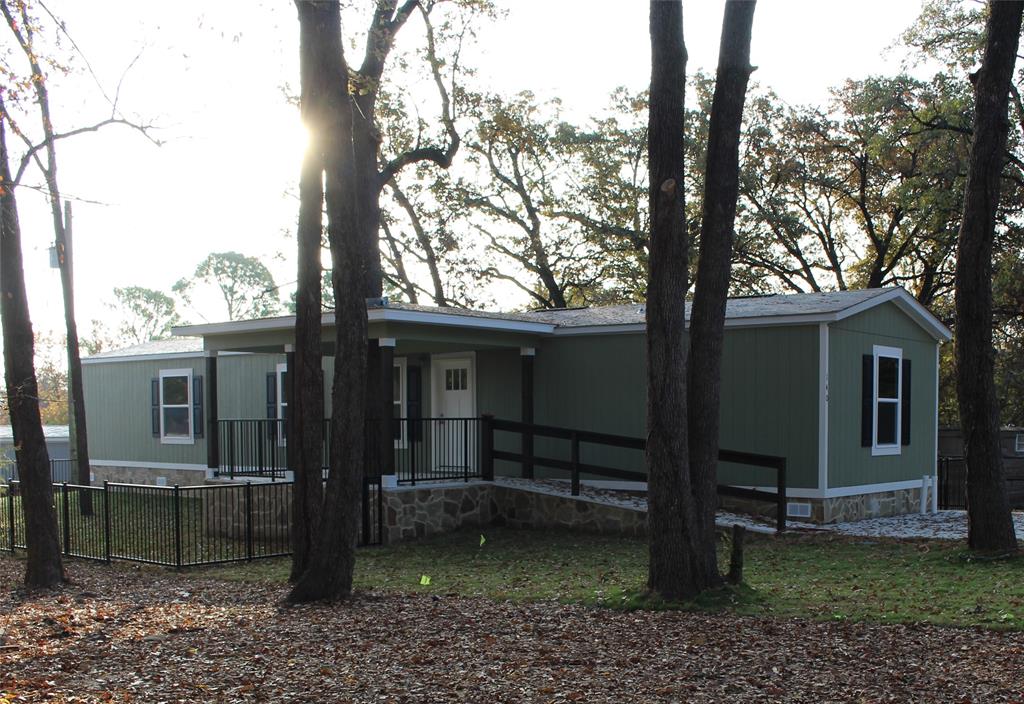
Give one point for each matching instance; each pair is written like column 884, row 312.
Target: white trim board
column 838, row 492
column 373, row 315
column 162, row 356
column 134, row 464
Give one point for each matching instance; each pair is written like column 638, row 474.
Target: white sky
column 211, row 76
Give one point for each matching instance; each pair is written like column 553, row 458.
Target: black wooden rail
column 576, row 467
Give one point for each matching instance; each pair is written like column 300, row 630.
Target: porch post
column 290, row 457
column 387, row 402
column 526, row 355
column 212, row 424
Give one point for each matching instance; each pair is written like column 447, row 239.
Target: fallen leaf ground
column 121, row 633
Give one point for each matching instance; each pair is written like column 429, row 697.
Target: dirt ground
column 127, row 634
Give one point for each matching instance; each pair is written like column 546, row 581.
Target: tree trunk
column 671, row 526
column 307, row 407
column 43, row 567
column 990, row 524
column 707, row 320
column 331, row 562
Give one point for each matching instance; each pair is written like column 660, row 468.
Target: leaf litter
column 127, row 634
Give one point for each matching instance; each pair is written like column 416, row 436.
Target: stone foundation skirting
column 415, row 512
column 148, row 475
column 843, row 509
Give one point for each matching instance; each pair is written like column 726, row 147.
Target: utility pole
column 78, row 446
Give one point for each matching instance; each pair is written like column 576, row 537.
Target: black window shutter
column 198, row 418
column 271, row 404
column 414, row 402
column 154, row 405
column 905, row 402
column 867, row 399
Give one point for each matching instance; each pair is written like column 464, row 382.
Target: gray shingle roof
column 174, row 345
column 50, row 431
column 736, row 308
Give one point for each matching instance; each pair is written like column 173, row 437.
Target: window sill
column 177, row 441
column 886, row 450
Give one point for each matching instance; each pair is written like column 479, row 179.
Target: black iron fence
column 952, row 471
column 437, row 449
column 952, row 482
column 176, row 526
column 60, row 470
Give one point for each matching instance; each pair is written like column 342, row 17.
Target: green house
column 842, row 385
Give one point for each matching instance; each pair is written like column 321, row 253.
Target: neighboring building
column 57, row 446
column 843, row 385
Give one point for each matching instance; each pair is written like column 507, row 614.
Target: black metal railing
column 437, row 449
column 60, row 470
column 425, row 449
column 176, row 526
column 252, row 447
column 576, row 467
column 952, row 472
column 179, row 526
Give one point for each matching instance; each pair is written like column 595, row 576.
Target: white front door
column 454, row 436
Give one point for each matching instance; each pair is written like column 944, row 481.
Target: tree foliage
column 244, row 283
column 144, row 314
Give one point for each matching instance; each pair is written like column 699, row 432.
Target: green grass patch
column 816, row 576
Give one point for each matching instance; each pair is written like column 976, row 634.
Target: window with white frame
column 399, row 397
column 1018, row 445
column 887, row 409
column 176, row 406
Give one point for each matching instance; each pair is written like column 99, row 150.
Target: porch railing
column 437, row 449
column 425, row 449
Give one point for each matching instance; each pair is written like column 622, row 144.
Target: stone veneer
column 147, row 475
column 414, row 512
column 842, row 509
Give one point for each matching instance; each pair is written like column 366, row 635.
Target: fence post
column 231, row 450
column 366, row 511
column 780, row 498
column 177, row 527
column 465, row 449
column 248, row 521
column 487, row 447
column 575, row 440
column 106, row 519
column 10, row 514
column 66, row 515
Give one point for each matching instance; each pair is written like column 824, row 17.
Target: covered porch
column 446, row 369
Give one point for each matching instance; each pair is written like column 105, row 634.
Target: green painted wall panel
column 117, row 411
column 769, row 396
column 849, row 463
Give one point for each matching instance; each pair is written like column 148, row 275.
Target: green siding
column 770, row 402
column 849, row 463
column 769, row 396
column 117, row 411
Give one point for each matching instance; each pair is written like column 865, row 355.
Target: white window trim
column 401, row 363
column 897, row 448
column 191, row 439
column 1018, row 443
column 282, row 402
